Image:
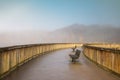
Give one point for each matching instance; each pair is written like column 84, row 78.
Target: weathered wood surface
column 57, row 65
column 107, row 57
column 11, row 57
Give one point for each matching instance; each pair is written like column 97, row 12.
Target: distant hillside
column 82, row 33
column 72, row 33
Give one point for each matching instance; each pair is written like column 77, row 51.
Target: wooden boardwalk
column 57, row 66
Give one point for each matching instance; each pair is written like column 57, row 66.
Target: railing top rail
column 2, row 49
column 102, row 48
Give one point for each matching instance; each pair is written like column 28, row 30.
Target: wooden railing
column 12, row 57
column 108, row 57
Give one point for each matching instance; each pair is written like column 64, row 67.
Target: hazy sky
column 53, row 14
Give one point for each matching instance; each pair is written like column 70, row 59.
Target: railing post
column 10, row 59
column 0, row 63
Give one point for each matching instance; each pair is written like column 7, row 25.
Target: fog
column 86, row 33
column 73, row 33
column 21, row 37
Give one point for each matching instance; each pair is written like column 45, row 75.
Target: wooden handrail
column 107, row 57
column 14, row 56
